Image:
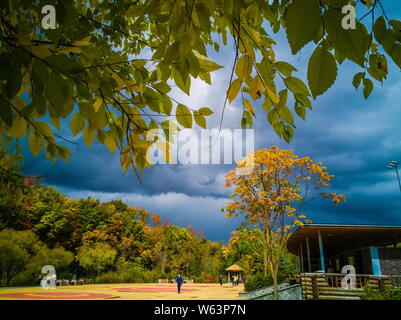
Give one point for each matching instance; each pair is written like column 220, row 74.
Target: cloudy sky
column 354, row 138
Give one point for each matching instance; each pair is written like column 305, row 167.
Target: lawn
column 131, row 291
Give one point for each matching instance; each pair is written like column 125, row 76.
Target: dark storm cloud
column 354, row 138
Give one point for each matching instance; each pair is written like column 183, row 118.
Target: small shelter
column 235, row 269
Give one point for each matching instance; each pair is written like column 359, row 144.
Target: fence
column 327, row 286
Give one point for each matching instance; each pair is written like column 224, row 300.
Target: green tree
column 51, row 213
column 110, row 65
column 97, row 257
column 23, row 252
column 13, row 260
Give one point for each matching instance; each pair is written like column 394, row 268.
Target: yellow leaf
column 67, row 50
column 248, row 107
column 233, row 90
column 244, row 67
column 85, row 42
column 110, row 143
column 273, row 97
column 98, row 103
column 252, row 33
column 256, row 87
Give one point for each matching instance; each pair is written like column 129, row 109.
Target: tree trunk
column 265, row 262
column 274, row 274
column 275, row 286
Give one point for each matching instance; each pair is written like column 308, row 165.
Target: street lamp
column 394, row 165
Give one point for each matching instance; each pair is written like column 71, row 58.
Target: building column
column 374, row 256
column 301, row 258
column 308, row 253
column 321, row 252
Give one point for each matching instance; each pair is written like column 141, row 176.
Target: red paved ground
column 55, row 295
column 152, row 289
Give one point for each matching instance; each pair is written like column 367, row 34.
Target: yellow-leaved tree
column 272, row 195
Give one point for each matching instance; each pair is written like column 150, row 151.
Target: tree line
column 92, row 239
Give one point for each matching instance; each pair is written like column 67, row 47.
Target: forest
column 107, row 242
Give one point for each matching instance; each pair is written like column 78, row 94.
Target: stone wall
column 286, row 291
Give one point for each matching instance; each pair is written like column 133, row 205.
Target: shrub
column 258, row 281
column 132, row 275
column 391, row 293
column 25, row 278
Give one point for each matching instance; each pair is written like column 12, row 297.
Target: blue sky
column 353, row 137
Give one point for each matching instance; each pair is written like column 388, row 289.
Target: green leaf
column 200, row 119
column 300, row 110
column 165, row 104
column 288, row 134
column 322, row 71
column 44, row 128
column 56, row 92
column 94, row 83
column 285, row 68
column 35, row 143
column 77, row 123
column 14, row 81
column 380, row 29
column 184, row 116
column 303, row 23
column 351, row 43
column 6, row 113
column 273, row 117
column 18, row 128
column 64, row 153
column 209, row 66
column 367, row 87
column 205, row 111
column 55, row 123
column 357, row 79
column 285, row 114
column 377, row 67
column 296, row 86
column 303, row 100
column 89, row 136
column 182, row 80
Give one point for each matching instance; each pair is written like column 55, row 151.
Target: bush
column 132, row 275
column 25, row 278
column 205, row 278
column 258, row 281
column 391, row 293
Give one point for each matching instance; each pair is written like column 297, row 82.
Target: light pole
column 394, row 165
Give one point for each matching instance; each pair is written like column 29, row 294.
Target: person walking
column 235, row 280
column 179, row 281
column 221, row 279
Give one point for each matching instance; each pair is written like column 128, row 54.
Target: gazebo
column 235, row 268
